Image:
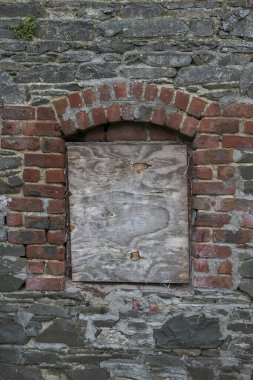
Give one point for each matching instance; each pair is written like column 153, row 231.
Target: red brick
column 197, row 107
column 137, row 90
column 237, row 141
column 238, row 110
column 44, row 191
column 200, row 265
column 219, row 125
column 166, row 95
column 247, row 221
column 104, row 93
column 31, row 175
column 213, row 109
column 56, row 206
column 48, row 252
column 18, row 113
column 53, row 145
column 35, row 267
column 201, row 234
column 213, row 157
column 60, row 106
column 20, row 143
column 174, row 120
column 55, row 268
column 151, row 92
column 248, row 127
column 45, row 222
column 210, row 251
column 42, row 129
column 26, row 237
column 68, row 127
column 45, row 113
column 157, row 133
column 45, row 160
column 159, row 117
column 127, row 112
column 232, row 237
column 56, row 237
column 95, row 134
column 120, row 90
column 181, row 100
column 114, row 113
column 75, row 100
column 89, row 96
column 153, row 307
column 226, row 172
column 232, row 204
column 213, row 282
column 225, row 267
column 11, row 128
column 55, row 176
column 24, row 204
column 83, row 120
column 206, row 141
column 136, row 305
column 126, row 133
column 98, row 116
column 189, row 126
column 202, row 172
column 212, row 219
column 14, row 220
column 45, row 284
column 212, row 188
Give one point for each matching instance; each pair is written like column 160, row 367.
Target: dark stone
column 5, row 188
column 243, row 156
column 97, row 10
column 10, row 355
column 9, row 162
column 89, row 374
column 246, row 172
column 246, row 81
column 63, row 331
column 243, row 27
column 9, row 91
column 12, row 265
column 189, row 332
column 96, row 71
column 15, row 181
column 248, row 187
column 168, row 59
column 64, row 30
column 139, row 72
column 153, row 27
column 18, row 372
column 246, row 285
column 206, row 74
column 10, row 283
column 200, row 373
column 48, row 73
column 22, row 9
column 146, row 10
column 246, row 269
column 77, row 56
column 245, row 328
column 201, row 28
column 42, row 309
column 3, row 235
column 37, row 357
column 11, row 332
column 12, row 250
column 237, row 46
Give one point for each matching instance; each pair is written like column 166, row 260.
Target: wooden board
column 128, row 212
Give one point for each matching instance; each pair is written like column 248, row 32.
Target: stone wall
column 182, row 70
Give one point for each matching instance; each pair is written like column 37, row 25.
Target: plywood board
column 128, row 212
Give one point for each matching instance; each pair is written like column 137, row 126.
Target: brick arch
column 115, row 101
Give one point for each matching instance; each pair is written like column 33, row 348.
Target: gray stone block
column 96, row 71
column 189, row 332
column 146, row 72
column 18, row 372
column 201, row 28
column 65, row 30
column 11, row 332
column 145, row 10
column 77, row 56
column 154, row 27
column 201, row 373
column 11, row 283
column 13, row 9
column 243, row 156
column 88, row 373
column 9, row 162
column 6, row 188
column 48, row 73
column 167, row 59
column 12, row 265
column 206, row 74
column 243, row 27
column 12, row 250
column 248, row 187
column 246, row 172
column 246, row 285
column 246, row 81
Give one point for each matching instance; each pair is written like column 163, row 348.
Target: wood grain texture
column 129, row 212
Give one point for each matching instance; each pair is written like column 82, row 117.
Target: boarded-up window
column 128, row 212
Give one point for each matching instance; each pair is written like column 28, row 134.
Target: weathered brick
column 45, row 113
column 213, row 109
column 20, row 143
column 129, row 132
column 25, row 204
column 56, row 237
column 45, row 160
column 237, row 141
column 95, row 134
column 219, row 125
column 11, row 128
column 200, row 265
column 206, row 142
column 232, row 204
column 196, row 107
column 238, row 110
column 210, row 251
column 56, row 206
column 222, row 281
column 26, row 237
column 248, row 127
column 166, row 95
column 18, row 113
column 113, row 113
column 225, row 172
column 45, row 222
column 48, row 252
column 201, row 234
column 212, row 156
column 104, row 93
column 174, row 120
column 225, row 267
column 159, row 117
column 181, row 100
column 202, row 203
column 55, row 176
column 212, row 188
column 120, row 90
column 55, row 268
column 157, row 133
column 75, row 100
column 98, row 116
column 151, row 92
column 232, row 237
column 31, row 175
column 137, row 90
column 50, row 145
column 60, row 106
column 14, row 220
column 35, row 267
column 202, row 172
column 68, row 127
column 45, row 284
column 39, row 128
column 89, row 96
column 247, row 221
column 127, row 112
column 189, row 126
column 212, row 219
column 44, row 191
column 82, row 119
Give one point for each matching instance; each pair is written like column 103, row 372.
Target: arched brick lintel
column 111, row 101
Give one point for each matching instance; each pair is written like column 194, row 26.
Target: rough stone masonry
column 126, row 71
